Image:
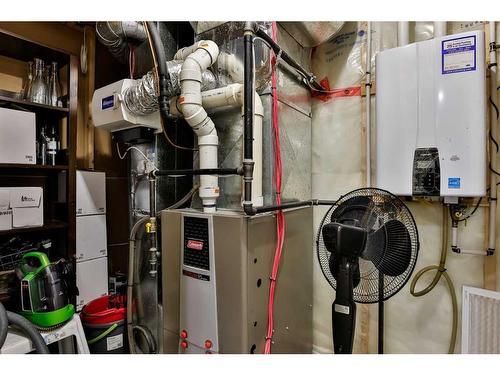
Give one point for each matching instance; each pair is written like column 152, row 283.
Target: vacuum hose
column 440, row 271
column 25, row 325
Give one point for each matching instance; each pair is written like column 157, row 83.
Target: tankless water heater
column 431, row 119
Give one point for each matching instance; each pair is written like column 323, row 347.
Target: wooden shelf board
column 49, row 226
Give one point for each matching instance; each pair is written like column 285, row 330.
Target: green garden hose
column 102, row 334
column 440, row 271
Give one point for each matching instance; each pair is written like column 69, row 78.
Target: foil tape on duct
column 117, row 36
column 141, row 98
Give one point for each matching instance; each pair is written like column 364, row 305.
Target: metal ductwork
column 118, row 35
column 141, row 99
column 312, row 34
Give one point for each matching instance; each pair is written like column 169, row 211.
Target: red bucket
column 104, row 322
column 105, row 310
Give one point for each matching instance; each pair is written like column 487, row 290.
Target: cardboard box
column 91, row 280
column 90, row 193
column 25, row 204
column 91, row 240
column 17, row 137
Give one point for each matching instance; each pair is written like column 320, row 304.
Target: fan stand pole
column 380, row 313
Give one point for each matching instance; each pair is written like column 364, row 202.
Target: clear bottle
column 42, row 147
column 52, row 147
column 29, row 81
column 39, row 90
column 54, row 87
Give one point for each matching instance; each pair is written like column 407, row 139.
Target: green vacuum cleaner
column 44, row 291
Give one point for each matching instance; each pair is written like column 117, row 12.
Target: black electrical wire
column 493, row 140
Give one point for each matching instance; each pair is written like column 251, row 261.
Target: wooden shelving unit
column 59, row 200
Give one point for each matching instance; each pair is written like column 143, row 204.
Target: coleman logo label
column 194, row 245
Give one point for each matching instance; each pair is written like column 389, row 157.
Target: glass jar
column 39, row 89
column 54, row 87
column 29, row 82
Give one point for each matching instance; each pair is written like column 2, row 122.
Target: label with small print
column 342, row 309
column 114, row 342
column 458, row 55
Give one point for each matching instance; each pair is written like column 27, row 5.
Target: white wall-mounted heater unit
column 480, row 321
column 431, row 117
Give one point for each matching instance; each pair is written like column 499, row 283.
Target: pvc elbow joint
column 206, row 45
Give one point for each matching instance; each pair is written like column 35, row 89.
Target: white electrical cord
column 138, row 150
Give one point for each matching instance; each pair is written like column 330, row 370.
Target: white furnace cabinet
column 431, row 119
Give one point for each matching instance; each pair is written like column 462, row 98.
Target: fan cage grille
column 384, row 206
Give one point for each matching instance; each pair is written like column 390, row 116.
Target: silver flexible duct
column 117, row 35
column 141, row 98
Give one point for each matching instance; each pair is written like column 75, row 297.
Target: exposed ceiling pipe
column 439, row 29
column 117, row 36
column 403, row 33
column 197, row 58
column 232, row 95
column 368, row 85
column 493, row 135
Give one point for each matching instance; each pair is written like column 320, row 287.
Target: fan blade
column 389, row 248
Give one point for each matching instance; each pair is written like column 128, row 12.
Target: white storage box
column 91, row 280
column 26, row 205
column 5, row 219
column 90, row 193
column 90, row 237
column 17, row 137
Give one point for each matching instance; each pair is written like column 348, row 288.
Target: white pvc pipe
column 493, row 132
column 232, row 95
column 473, row 252
column 403, row 33
column 229, row 64
column 454, row 236
column 368, row 104
column 439, row 29
column 197, row 58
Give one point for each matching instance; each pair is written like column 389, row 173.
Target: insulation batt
column 412, row 325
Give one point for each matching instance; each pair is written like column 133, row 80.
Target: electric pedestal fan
column 367, row 247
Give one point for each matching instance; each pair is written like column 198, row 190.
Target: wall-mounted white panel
column 431, row 119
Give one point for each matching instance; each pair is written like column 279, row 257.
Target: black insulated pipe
column 287, row 58
column 163, row 74
column 248, row 114
column 297, row 204
column 198, row 172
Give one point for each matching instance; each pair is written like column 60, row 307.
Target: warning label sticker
column 114, row 342
column 458, row 55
